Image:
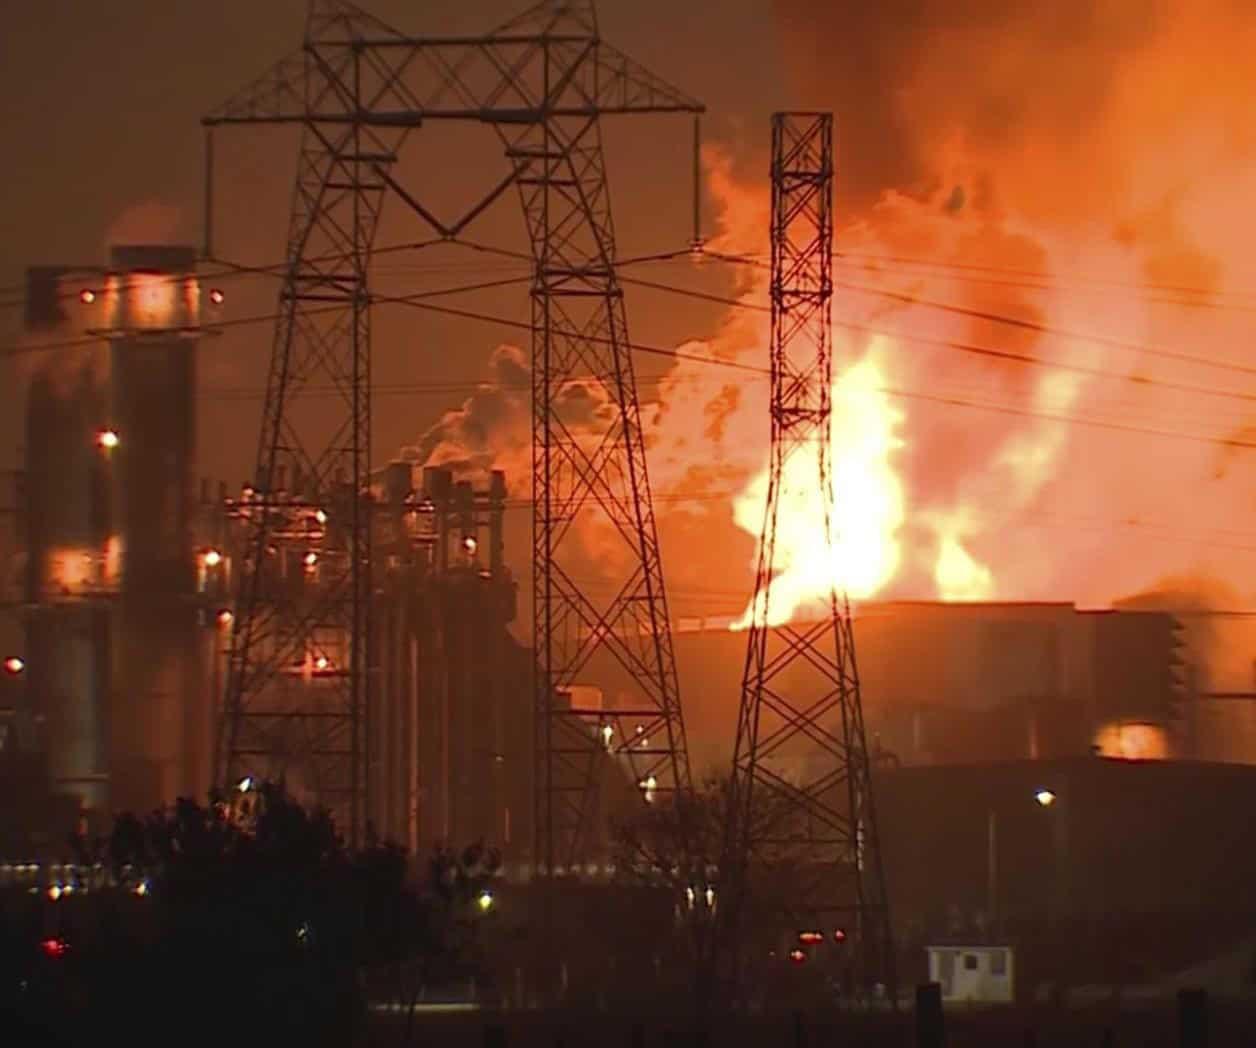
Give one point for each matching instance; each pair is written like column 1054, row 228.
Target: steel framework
column 542, row 82
column 801, row 791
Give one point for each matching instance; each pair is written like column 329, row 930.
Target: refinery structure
column 350, row 624
column 120, row 601
column 125, row 582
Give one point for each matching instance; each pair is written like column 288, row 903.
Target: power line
column 971, row 267
column 231, row 270
column 1055, row 284
column 964, row 347
column 417, row 303
column 1048, row 329
column 1033, row 278
column 1020, row 322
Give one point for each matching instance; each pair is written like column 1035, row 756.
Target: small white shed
column 973, row 973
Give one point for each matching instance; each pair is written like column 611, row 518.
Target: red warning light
column 839, row 936
column 54, row 947
column 797, row 956
column 810, row 938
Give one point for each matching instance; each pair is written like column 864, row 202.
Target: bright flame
column 866, row 514
column 958, row 575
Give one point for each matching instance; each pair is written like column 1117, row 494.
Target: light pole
column 992, row 866
column 1045, row 798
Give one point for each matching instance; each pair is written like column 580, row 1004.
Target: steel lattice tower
column 801, row 795
column 358, row 88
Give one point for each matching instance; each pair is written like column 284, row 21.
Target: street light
column 1044, row 797
column 14, row 665
column 107, row 439
column 485, row 901
column 212, row 558
column 245, row 784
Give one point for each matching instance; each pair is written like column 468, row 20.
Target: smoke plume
column 1074, row 168
column 1063, row 183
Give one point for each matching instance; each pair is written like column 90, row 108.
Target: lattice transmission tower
column 801, row 812
column 300, row 668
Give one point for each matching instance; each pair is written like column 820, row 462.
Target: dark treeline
column 194, row 925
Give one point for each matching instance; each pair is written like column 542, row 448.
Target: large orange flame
column 866, row 513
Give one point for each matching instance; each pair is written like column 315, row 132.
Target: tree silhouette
column 250, row 917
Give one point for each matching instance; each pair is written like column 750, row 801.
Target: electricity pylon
column 359, row 89
column 801, row 809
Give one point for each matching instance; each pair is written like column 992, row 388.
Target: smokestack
column 67, row 525
column 153, row 303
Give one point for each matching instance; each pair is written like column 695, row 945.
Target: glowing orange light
column 311, row 559
column 212, row 558
column 216, row 296
column 322, row 662
column 839, row 936
column 321, row 517
column 225, row 617
column 107, row 439
column 797, row 956
column 87, row 296
column 14, row 665
column 810, row 938
column 470, row 545
column 54, row 947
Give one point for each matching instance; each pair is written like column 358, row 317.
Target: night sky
column 102, row 113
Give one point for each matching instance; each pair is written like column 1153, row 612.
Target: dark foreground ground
column 1150, row 1027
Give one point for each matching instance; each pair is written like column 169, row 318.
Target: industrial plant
column 981, row 793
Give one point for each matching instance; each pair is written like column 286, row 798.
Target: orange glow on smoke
column 1132, row 742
